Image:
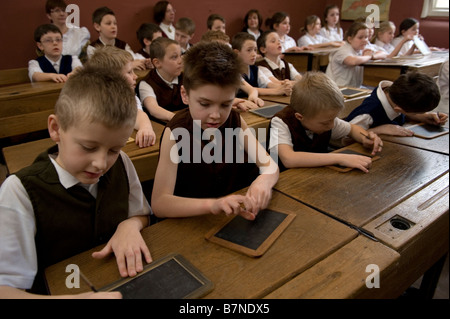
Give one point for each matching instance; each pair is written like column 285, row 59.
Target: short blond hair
column 96, row 95
column 110, row 57
column 316, row 93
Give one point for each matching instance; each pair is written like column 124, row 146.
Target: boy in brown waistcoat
column 81, row 193
column 159, row 92
column 302, row 131
column 209, row 164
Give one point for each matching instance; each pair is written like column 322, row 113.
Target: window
column 435, row 8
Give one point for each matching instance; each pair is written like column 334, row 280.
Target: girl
column 345, row 64
column 383, row 39
column 409, row 28
column 252, row 23
column 280, row 23
column 332, row 28
column 312, row 38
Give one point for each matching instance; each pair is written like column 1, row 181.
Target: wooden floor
column 442, row 290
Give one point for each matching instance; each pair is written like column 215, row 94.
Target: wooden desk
column 439, row 144
column 391, row 69
column 356, row 197
column 314, row 60
column 310, row 238
column 14, row 76
column 349, row 104
column 24, row 108
column 145, row 159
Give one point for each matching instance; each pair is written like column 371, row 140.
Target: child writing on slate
column 81, row 193
column 302, row 130
column 52, row 66
column 188, row 181
column 411, row 96
column 114, row 59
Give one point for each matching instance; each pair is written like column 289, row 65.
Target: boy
column 185, row 186
column 273, row 66
column 112, row 58
column 216, row 22
column 302, row 131
column 244, row 44
column 392, row 103
column 105, row 24
column 184, row 32
column 77, row 194
column 159, row 92
column 52, row 66
column 147, row 33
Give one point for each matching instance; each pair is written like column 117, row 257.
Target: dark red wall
column 19, row 18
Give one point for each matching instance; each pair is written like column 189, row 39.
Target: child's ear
column 184, row 95
column 262, row 50
column 97, row 27
column 53, row 127
column 156, row 63
column 298, row 116
column 40, row 46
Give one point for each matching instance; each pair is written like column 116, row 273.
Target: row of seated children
column 87, row 172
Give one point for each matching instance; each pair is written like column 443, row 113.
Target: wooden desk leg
column 430, row 279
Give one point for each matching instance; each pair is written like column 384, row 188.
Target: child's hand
column 360, row 162
column 148, row 64
column 394, row 130
column 145, row 137
column 260, row 191
column 139, row 64
column 374, row 142
column 285, row 89
column 234, row 205
column 59, row 78
column 128, row 246
column 244, row 105
column 435, row 118
column 255, row 99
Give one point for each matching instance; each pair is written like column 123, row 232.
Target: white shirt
column 263, row 80
column 268, row 73
column 287, row 43
column 345, row 75
column 280, row 134
column 33, row 65
column 308, row 39
column 256, row 35
column 388, row 47
column 91, row 50
column 365, row 120
column 165, row 28
column 334, row 34
column 18, row 258
column 74, row 40
column 145, row 89
column 405, row 47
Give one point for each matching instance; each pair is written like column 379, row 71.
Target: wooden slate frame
column 252, row 252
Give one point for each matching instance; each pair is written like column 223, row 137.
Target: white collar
column 279, row 65
column 67, row 180
column 174, row 81
column 390, row 112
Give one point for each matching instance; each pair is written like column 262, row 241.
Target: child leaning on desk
column 52, row 65
column 345, row 66
column 189, row 180
column 302, row 131
column 244, row 44
column 115, row 59
column 81, row 193
column 411, row 96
